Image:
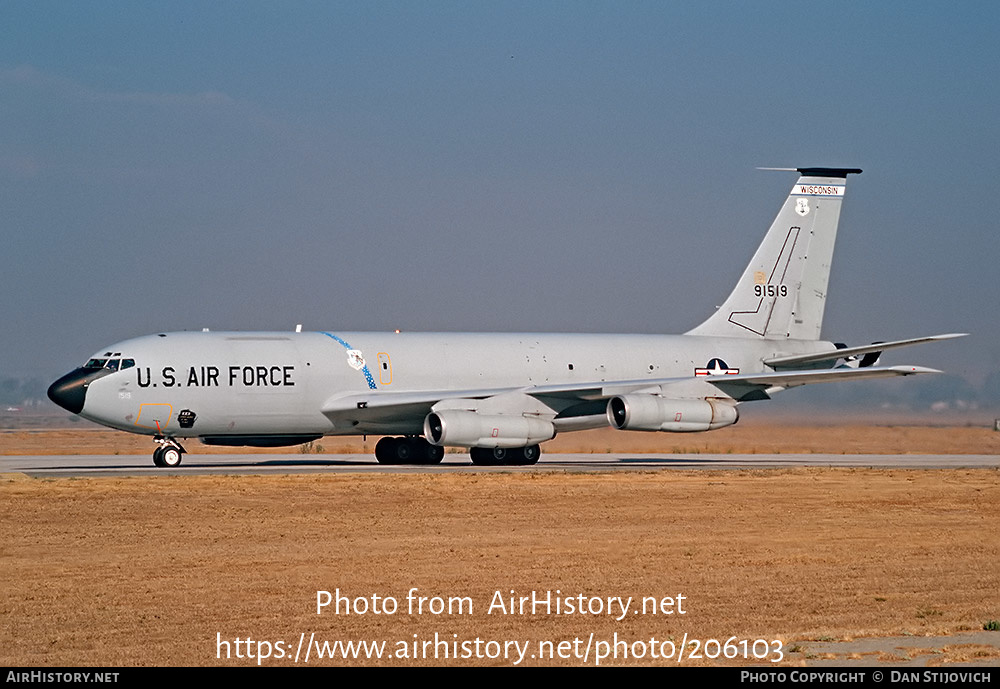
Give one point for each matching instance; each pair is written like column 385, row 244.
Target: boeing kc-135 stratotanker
column 499, row 395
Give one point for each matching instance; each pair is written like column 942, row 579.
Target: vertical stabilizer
column 782, row 293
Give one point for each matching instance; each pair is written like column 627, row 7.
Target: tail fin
column 782, row 293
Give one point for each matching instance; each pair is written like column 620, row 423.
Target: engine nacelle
column 463, row 428
column 655, row 413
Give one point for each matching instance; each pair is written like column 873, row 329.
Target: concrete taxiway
column 142, row 465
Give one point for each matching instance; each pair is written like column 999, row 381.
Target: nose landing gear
column 169, row 453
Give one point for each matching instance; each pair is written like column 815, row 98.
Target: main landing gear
column 408, row 450
column 505, row 456
column 416, row 450
column 169, row 453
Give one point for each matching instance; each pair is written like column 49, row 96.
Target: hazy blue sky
column 571, row 166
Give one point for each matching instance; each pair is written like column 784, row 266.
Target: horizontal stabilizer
column 834, row 354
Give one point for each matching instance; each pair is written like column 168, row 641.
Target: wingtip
column 912, row 370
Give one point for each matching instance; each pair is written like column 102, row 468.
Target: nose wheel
column 168, row 454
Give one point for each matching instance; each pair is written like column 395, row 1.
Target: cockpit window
column 110, row 364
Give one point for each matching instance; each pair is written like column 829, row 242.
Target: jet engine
column 655, row 413
column 463, row 428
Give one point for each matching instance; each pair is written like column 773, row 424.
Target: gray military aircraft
column 499, row 395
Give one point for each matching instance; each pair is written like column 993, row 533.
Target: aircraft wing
column 374, row 408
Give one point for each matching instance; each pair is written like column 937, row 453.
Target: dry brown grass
column 124, row 571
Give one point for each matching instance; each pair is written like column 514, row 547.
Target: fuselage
column 201, row 384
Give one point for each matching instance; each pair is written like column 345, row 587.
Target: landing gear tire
column 530, row 455
column 171, row 456
column 385, row 450
column 407, row 451
column 168, row 454
column 404, row 451
column 433, row 454
column 489, row 456
column 503, row 456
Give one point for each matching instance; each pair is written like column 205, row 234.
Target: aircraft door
column 384, row 369
column 154, row 415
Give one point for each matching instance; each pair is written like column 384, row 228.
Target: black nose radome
column 70, row 391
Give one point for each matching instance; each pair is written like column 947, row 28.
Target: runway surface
column 142, row 465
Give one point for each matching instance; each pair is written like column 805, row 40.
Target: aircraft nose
column 70, row 391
